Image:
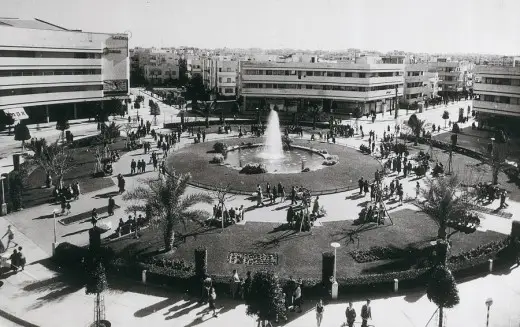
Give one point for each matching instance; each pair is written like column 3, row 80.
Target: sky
column 434, row 26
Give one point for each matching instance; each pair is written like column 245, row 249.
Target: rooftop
column 35, row 23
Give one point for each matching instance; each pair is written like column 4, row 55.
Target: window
column 229, row 90
column 220, row 79
column 52, row 89
column 362, row 75
column 228, row 80
column 228, row 69
column 219, row 90
column 337, row 74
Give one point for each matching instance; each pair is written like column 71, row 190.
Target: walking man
column 10, row 237
column 366, row 313
column 417, row 190
column 350, row 313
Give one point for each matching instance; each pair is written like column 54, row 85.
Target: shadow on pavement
column 54, row 289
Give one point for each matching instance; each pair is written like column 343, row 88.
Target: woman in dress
column 319, row 312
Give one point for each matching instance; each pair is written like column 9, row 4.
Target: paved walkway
column 38, row 292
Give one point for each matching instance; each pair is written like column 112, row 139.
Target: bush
column 488, row 249
column 217, row 159
column 419, row 171
column 220, row 147
column 377, row 253
column 251, row 169
column 327, row 267
column 201, row 262
column 455, row 128
column 69, row 256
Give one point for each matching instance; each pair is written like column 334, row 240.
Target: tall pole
column 396, row 101
column 335, row 260
column 54, row 218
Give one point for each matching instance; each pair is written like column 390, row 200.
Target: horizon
column 451, row 27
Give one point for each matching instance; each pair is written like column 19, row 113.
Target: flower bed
column 240, row 258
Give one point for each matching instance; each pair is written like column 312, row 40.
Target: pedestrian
column 68, row 208
column 246, row 286
column 417, row 190
column 360, row 184
column 366, row 313
column 319, row 312
column 111, row 206
column 235, row 284
column 133, row 165
column 298, row 297
column 212, row 301
column 350, row 313
column 14, row 257
column 121, row 183
column 10, row 237
column 293, row 195
column 21, row 258
column 94, row 217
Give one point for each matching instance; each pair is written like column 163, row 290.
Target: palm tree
column 449, row 206
column 417, row 125
column 168, row 204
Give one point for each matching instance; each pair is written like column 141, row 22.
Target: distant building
column 416, row 83
column 221, row 76
column 497, row 94
column 453, row 75
column 49, row 70
column 342, row 87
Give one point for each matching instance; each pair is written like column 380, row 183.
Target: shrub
column 327, row 267
column 365, row 149
column 251, row 169
column 220, row 147
column 419, row 170
column 455, row 128
column 481, row 250
column 217, row 159
column 69, row 256
column 376, row 253
column 201, row 262
column 329, row 162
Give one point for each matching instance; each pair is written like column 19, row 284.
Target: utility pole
column 396, row 101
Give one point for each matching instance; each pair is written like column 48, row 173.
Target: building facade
column 342, row 87
column 453, row 75
column 221, row 76
column 49, row 70
column 497, row 94
column 416, row 83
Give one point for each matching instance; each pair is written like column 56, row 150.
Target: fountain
column 273, row 149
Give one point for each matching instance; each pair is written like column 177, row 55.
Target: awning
column 17, row 113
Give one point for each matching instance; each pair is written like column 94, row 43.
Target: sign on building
column 17, row 113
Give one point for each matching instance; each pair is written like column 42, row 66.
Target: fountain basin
column 291, row 161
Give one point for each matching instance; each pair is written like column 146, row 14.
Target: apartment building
column 47, row 70
column 291, row 86
column 497, row 95
column 221, row 75
column 453, row 75
column 416, row 83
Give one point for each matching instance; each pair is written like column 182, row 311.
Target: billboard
column 115, row 86
column 115, row 65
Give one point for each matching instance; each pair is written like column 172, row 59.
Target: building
column 416, row 83
column 497, row 94
column 160, row 66
column 291, row 86
column 49, row 70
column 221, row 75
column 453, row 75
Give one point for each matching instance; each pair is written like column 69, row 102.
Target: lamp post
column 55, row 243
column 334, row 291
column 489, row 302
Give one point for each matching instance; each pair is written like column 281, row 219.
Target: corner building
column 50, row 71
column 338, row 87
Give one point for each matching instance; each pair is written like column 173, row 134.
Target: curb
column 15, row 319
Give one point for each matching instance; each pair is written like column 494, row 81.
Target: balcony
column 329, row 94
column 48, row 80
column 322, row 79
column 414, row 79
column 415, row 90
column 497, row 108
column 50, row 98
column 495, row 88
column 44, row 62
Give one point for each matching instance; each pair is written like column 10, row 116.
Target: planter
column 102, row 323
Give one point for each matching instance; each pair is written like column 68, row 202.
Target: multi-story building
column 367, row 84
column 432, row 89
column 221, row 76
column 497, row 94
column 416, row 83
column 453, row 75
column 48, row 70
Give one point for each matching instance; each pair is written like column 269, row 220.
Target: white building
column 221, row 75
column 292, row 86
column 497, row 93
column 49, row 70
column 453, row 75
column 416, row 82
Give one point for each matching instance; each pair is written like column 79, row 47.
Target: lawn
column 352, row 165
column 37, row 194
column 300, row 254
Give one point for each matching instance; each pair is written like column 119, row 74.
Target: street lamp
column 54, row 212
column 334, row 291
column 3, row 207
column 489, row 302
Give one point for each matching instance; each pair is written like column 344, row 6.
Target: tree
column 417, row 125
column 137, row 105
column 62, row 124
column 112, row 107
column 195, row 89
column 96, row 283
column 449, row 206
column 498, row 154
column 266, row 300
column 222, row 195
column 442, row 290
column 127, row 128
column 168, row 204
column 21, row 133
column 55, row 159
column 7, row 119
column 445, row 116
column 183, row 72
column 154, row 110
column 314, row 109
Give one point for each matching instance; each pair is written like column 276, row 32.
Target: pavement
column 38, row 292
